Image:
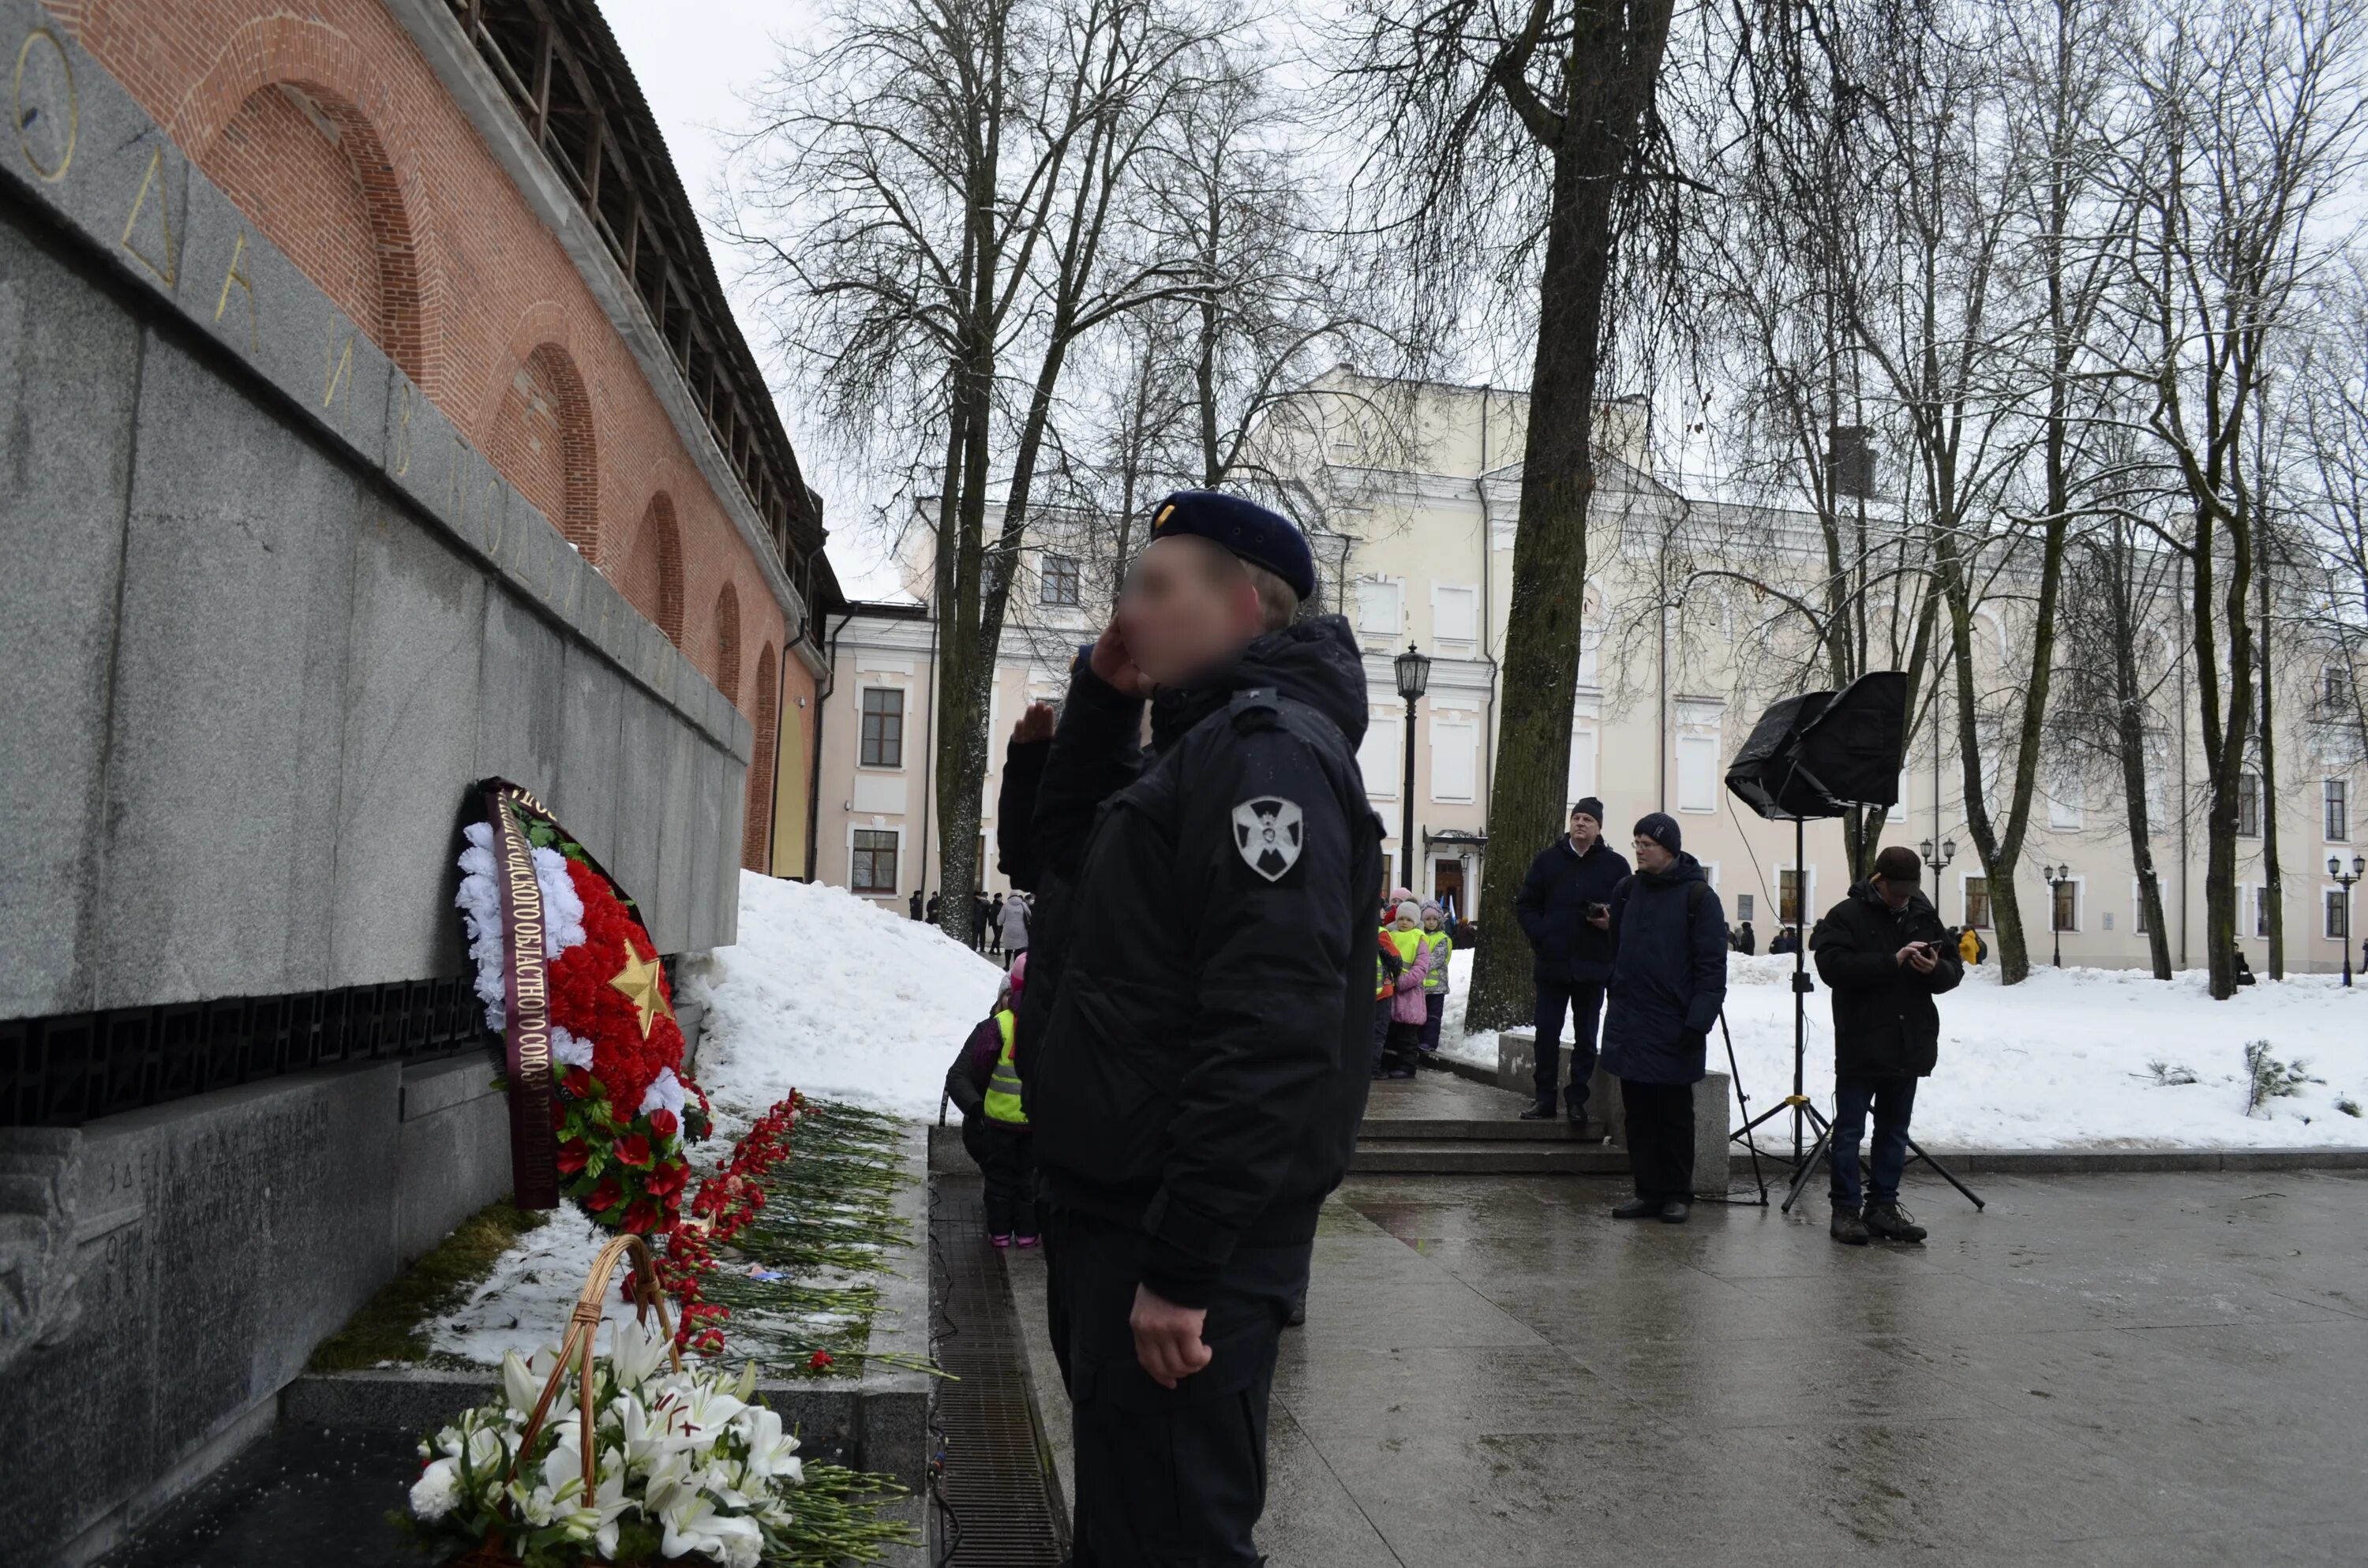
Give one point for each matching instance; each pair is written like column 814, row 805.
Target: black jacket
column 1669, row 976
column 1884, row 1023
column 1552, row 908
column 1201, row 1066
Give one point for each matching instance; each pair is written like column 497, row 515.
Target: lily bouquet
column 682, row 1464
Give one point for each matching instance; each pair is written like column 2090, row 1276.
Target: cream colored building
column 1419, row 551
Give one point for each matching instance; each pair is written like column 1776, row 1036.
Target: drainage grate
column 997, row 1509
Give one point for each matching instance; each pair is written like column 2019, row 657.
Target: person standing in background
column 1563, row 908
column 1011, row 929
column 1435, row 985
column 993, row 932
column 1669, row 980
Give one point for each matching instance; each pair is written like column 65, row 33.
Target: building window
column 2248, row 805
column 1742, row 908
column 1697, row 773
column 2339, row 809
column 1377, row 606
column 1788, row 896
column 873, row 869
column 1977, row 903
column 2332, row 684
column 2261, row 912
column 883, row 727
column 2137, row 907
column 2067, row 905
column 2335, row 914
column 1058, row 580
column 1455, row 613
column 2066, row 804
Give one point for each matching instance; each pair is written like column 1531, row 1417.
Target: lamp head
column 1414, row 673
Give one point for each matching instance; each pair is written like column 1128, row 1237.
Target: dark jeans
column 1893, row 1101
column 1660, row 1139
column 1166, row 1476
column 1403, row 1052
column 1380, row 1031
column 1434, row 1010
column 1007, row 1162
column 1583, row 999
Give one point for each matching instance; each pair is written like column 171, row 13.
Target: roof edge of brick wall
column 440, row 40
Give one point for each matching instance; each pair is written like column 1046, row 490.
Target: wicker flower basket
column 582, row 1324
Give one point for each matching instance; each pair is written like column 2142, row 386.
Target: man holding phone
column 1884, row 954
column 1565, row 910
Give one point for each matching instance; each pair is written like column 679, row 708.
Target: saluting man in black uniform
column 1198, row 1069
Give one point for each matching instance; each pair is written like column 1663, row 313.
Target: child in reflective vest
column 1441, row 947
column 1402, row 996
column 986, row 1085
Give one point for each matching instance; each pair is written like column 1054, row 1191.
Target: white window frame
column 2137, row 908
column 1438, row 633
column 1964, row 903
column 1471, row 726
column 1392, row 781
column 2331, row 908
column 1398, row 586
column 2066, row 813
column 898, row 829
column 1808, row 920
column 903, row 724
column 1898, row 812
column 2080, row 907
column 1678, row 748
column 1593, row 783
column 2325, row 798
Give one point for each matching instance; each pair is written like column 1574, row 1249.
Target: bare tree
column 1512, row 138
column 2331, row 399
column 938, row 198
column 2244, row 120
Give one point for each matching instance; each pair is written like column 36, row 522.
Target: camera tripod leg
column 1809, row 1163
column 1742, row 1135
column 1946, row 1173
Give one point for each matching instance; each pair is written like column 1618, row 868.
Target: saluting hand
column 1115, row 665
column 1167, row 1337
column 1036, row 724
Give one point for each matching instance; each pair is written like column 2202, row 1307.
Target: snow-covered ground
column 836, row 996
column 2065, row 1060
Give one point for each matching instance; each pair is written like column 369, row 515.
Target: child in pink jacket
column 1407, row 1008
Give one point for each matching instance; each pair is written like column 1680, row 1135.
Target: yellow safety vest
column 1408, row 943
column 1442, row 947
column 1003, row 1087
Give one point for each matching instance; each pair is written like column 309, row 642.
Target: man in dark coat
column 1745, row 942
column 1669, row 980
column 1565, row 910
column 1197, row 1081
column 1884, row 954
column 914, row 903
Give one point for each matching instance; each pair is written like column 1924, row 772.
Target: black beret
column 1249, row 531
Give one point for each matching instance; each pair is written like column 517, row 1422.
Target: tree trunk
column 1608, row 78
column 2272, row 879
column 2130, row 738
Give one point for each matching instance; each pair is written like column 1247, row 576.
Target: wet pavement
column 2166, row 1369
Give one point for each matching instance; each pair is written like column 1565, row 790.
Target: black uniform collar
column 1315, row 661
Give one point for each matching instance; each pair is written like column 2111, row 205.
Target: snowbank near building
column 2067, row 1059
column 837, row 997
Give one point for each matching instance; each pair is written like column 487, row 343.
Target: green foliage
column 2267, row 1078
column 2169, row 1075
column 392, row 1324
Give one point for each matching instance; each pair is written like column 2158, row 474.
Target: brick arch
column 287, row 114
column 727, row 643
column 650, row 573
column 755, row 837
column 539, row 429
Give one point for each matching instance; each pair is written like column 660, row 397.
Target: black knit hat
column 1662, row 829
column 1590, row 806
column 1250, row 531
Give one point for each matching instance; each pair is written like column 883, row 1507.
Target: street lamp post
column 1414, row 679
column 2056, row 877
column 1939, row 863
column 2343, row 880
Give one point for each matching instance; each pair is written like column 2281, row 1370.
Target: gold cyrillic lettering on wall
column 234, row 277
column 163, row 265
column 398, row 456
column 39, row 121
column 336, row 364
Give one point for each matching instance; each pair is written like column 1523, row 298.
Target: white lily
column 688, row 1522
column 741, row 1541
column 522, row 1378
column 772, row 1451
column 640, row 1349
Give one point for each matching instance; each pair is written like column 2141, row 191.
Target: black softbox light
column 1821, row 752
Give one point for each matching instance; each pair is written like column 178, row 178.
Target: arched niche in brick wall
column 756, row 839
column 286, row 122
column 540, row 436
column 651, row 575
column 726, row 632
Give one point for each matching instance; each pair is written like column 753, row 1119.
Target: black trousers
column 1583, row 1000
column 1173, row 1477
column 1660, row 1139
column 1007, row 1161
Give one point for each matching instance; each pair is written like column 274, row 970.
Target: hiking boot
column 1541, row 1109
column 1296, row 1317
column 1637, row 1209
column 1890, row 1221
column 1675, row 1210
column 1847, row 1227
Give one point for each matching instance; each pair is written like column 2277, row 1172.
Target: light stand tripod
column 1804, row 1109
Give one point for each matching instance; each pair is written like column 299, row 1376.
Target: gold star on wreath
column 639, row 980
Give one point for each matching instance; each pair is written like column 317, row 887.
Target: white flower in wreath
column 436, row 1492
column 568, row 1051
column 665, row 1093
column 640, row 1349
column 772, row 1451
column 480, row 901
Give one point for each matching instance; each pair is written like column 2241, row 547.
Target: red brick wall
column 376, row 185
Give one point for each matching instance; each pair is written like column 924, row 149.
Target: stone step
column 1508, row 1129
column 1485, row 1156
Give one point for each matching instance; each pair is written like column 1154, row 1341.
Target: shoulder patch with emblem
column 1268, row 833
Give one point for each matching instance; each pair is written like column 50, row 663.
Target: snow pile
column 524, row 1303
column 837, row 997
column 2067, row 1059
